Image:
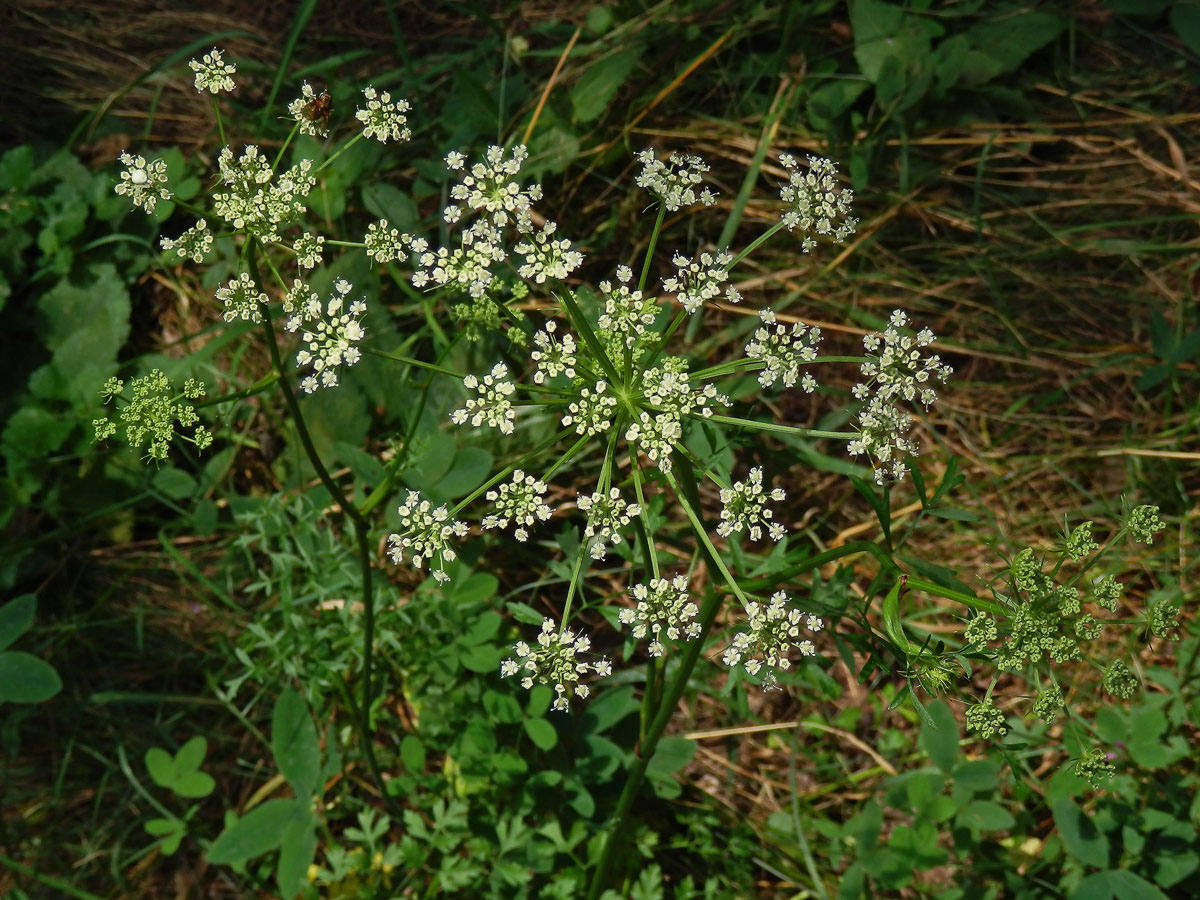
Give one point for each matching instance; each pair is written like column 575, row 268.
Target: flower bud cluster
column 627, row 313
column 520, row 500
column 152, row 413
column 251, row 201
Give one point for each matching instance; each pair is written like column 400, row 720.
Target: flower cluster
column 668, row 389
column 898, row 371
column 547, row 256
column 153, row 411
column 241, row 299
column 607, row 514
column 699, row 281
column 212, row 72
column 1142, row 522
column 425, row 535
column 468, row 267
column 627, row 314
column 592, row 411
column 384, row 118
column 986, row 719
column 301, row 110
column 328, row 333
column 553, row 357
column 308, row 248
column 386, row 244
column 142, row 182
column 773, row 634
column 674, row 182
column 251, row 201
column 521, row 501
column 493, row 405
column 744, row 508
column 815, row 201
column 555, row 661
column 782, row 351
column 662, row 608
column 491, row 186
column 194, row 244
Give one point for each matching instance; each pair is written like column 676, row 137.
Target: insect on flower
column 317, row 111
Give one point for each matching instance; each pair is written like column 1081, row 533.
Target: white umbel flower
column 592, row 413
column 425, row 536
column 491, row 186
column 897, row 369
column 607, row 514
column 329, row 337
column 744, row 508
column 774, row 633
column 241, row 299
column 194, row 244
column 782, row 350
column 555, row 661
column 663, row 609
column 700, row 281
column 553, row 357
column 142, row 182
column 817, row 204
column 547, row 257
column 212, row 72
column 627, row 314
column 674, row 182
column 521, row 501
column 384, row 119
column 493, row 405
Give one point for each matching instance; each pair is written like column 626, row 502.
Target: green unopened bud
column 986, row 719
column 1143, row 521
column 1049, row 701
column 1119, row 680
column 1080, row 542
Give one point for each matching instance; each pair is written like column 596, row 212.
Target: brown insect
column 317, row 111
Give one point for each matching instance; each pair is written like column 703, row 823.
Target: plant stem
column 662, row 212
column 777, row 429
column 362, row 719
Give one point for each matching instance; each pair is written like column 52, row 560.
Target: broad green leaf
column 594, row 91
column 939, row 736
column 1116, row 884
column 175, row 483
column 1007, row 41
column 161, row 767
column 191, row 754
column 608, row 708
column 1080, row 836
column 294, row 743
column 470, row 469
column 975, row 775
column 15, row 618
column 296, row 852
column 671, row 755
column 193, row 785
column 486, row 624
column 483, row 659
column 541, row 732
column 412, row 754
column 169, row 831
column 26, row 679
column 386, row 201
column 524, row 613
column 260, row 831
column 985, row 816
